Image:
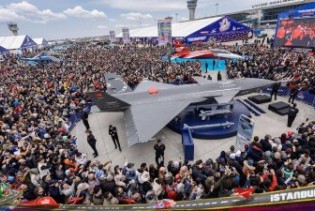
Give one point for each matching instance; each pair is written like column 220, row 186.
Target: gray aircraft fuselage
column 196, row 91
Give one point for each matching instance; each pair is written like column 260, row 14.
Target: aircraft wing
column 199, row 54
column 228, row 56
column 115, row 84
column 143, row 121
column 146, row 84
column 226, row 95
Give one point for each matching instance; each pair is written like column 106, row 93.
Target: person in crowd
column 112, row 131
column 275, row 89
column 159, row 148
column 219, row 76
column 84, row 117
column 293, row 111
column 92, row 142
column 293, row 93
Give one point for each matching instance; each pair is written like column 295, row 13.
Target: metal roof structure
column 181, row 29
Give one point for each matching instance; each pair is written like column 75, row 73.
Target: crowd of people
column 39, row 155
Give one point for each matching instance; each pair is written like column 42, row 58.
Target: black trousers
column 290, row 120
column 93, row 146
column 86, row 124
column 116, row 142
column 274, row 92
column 157, row 156
column 292, row 98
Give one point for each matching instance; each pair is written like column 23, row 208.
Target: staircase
column 252, row 109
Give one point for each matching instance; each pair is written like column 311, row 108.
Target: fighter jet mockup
column 41, row 58
column 152, row 105
column 185, row 53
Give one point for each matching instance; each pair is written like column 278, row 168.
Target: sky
column 59, row 19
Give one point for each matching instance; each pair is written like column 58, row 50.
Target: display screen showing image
column 296, row 33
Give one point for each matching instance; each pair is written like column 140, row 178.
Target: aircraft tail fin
column 107, row 102
column 179, row 47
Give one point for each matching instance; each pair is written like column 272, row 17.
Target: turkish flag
column 40, row 202
column 246, row 193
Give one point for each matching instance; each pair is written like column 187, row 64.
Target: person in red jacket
column 274, row 180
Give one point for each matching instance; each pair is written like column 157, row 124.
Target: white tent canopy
column 40, row 41
column 182, row 29
column 16, row 42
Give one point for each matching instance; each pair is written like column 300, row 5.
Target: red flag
column 41, row 202
column 246, row 193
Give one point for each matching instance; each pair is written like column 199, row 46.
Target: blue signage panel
column 244, row 131
column 225, row 29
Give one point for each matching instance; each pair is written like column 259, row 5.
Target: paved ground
column 269, row 123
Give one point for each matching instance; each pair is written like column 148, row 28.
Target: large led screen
column 296, row 33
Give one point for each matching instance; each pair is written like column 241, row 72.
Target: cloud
column 112, row 20
column 23, row 7
column 136, row 16
column 102, row 27
column 25, row 11
column 28, row 12
column 142, row 5
column 80, row 12
column 8, row 15
column 49, row 15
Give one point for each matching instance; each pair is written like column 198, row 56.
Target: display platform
column 206, row 64
column 280, row 108
column 260, row 99
column 192, row 119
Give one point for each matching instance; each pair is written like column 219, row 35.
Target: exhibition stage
column 191, row 118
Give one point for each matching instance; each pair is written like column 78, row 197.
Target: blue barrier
column 76, row 116
column 213, row 64
column 188, row 144
column 303, row 96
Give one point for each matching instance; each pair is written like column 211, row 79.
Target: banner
column 244, row 131
column 222, row 30
column 112, row 36
column 126, row 36
column 165, row 31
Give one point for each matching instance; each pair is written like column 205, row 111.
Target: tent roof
column 2, row 50
column 16, row 42
column 40, row 41
column 182, row 29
